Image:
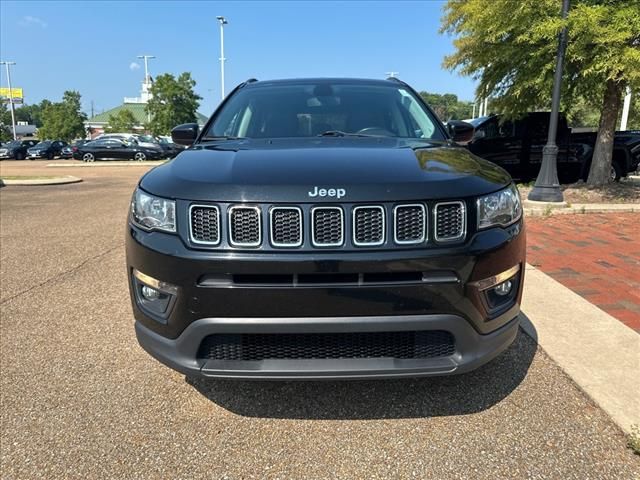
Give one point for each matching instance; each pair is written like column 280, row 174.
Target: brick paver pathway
column 595, row 255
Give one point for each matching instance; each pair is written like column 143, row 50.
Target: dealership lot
column 80, row 399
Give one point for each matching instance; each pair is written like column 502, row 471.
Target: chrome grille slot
column 204, row 224
column 368, row 226
column 285, row 226
column 450, row 219
column 327, row 226
column 410, row 224
column 245, row 226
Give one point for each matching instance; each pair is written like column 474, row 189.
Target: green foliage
column 122, row 122
column 32, row 114
column 174, row 102
column 447, row 106
column 63, row 120
column 5, row 123
column 510, row 48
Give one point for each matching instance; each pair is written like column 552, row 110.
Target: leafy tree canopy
column 447, row 106
column 5, row 123
column 510, row 48
column 32, row 114
column 63, row 120
column 173, row 102
column 123, row 122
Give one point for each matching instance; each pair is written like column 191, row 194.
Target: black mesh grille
column 245, row 226
column 410, row 224
column 368, row 225
column 286, row 227
column 450, row 218
column 205, row 224
column 403, row 345
column 327, row 226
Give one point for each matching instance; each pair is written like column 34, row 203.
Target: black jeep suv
column 325, row 228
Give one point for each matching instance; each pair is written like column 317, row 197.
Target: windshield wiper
column 340, row 133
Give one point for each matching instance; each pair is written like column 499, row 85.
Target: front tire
column 616, row 172
column 88, row 157
column 50, row 156
column 139, row 157
column 19, row 156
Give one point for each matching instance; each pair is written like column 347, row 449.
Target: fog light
column 504, row 288
column 154, row 296
column 150, row 293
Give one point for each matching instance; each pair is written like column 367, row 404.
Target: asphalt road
column 80, row 399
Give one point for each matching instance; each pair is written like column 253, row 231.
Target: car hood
column 287, row 170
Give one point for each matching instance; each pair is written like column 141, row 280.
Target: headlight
column 499, row 209
column 153, row 213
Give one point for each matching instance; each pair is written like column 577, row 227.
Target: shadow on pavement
column 379, row 399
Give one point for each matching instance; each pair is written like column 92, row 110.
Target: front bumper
column 201, row 309
column 472, row 349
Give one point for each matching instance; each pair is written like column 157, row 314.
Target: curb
column 598, row 352
column 581, row 208
column 108, row 164
column 42, row 181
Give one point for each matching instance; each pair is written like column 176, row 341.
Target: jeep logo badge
column 328, row 192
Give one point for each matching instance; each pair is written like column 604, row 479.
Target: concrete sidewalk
column 598, row 352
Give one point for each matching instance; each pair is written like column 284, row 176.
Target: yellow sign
column 16, row 94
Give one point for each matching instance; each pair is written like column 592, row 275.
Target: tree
column 510, row 47
column 447, row 106
column 32, row 114
column 173, row 102
column 5, row 123
column 123, row 121
column 63, row 120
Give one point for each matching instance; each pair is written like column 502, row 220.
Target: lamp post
column 146, row 66
column 547, row 187
column 13, row 114
column 223, row 22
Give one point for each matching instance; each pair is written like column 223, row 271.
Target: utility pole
column 13, row 113
column 625, row 110
column 547, row 187
column 223, row 21
column 92, row 114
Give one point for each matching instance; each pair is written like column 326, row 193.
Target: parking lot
column 80, row 399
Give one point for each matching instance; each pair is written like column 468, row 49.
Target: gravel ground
column 80, row 399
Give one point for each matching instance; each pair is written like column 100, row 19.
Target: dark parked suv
column 325, row 228
column 16, row 149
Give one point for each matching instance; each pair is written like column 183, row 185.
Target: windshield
column 13, row 143
column 43, row 145
column 146, row 138
column 312, row 109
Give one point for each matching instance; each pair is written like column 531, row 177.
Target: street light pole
column 547, row 187
column 223, row 22
column 13, row 113
column 146, row 65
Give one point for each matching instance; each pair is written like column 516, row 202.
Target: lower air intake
column 300, row 346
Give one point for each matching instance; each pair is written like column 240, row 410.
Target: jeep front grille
column 244, row 226
column 285, row 226
column 205, row 224
column 368, row 226
column 314, row 346
column 327, row 226
column 450, row 218
column 410, row 224
column 269, row 227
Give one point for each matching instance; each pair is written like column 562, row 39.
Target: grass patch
column 28, row 177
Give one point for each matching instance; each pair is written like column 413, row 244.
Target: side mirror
column 185, row 134
column 461, row 132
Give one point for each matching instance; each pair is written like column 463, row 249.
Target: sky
column 92, row 46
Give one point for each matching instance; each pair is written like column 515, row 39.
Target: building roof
column 138, row 111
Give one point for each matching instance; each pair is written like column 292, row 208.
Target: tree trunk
column 603, row 151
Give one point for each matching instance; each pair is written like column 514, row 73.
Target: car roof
column 313, row 81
